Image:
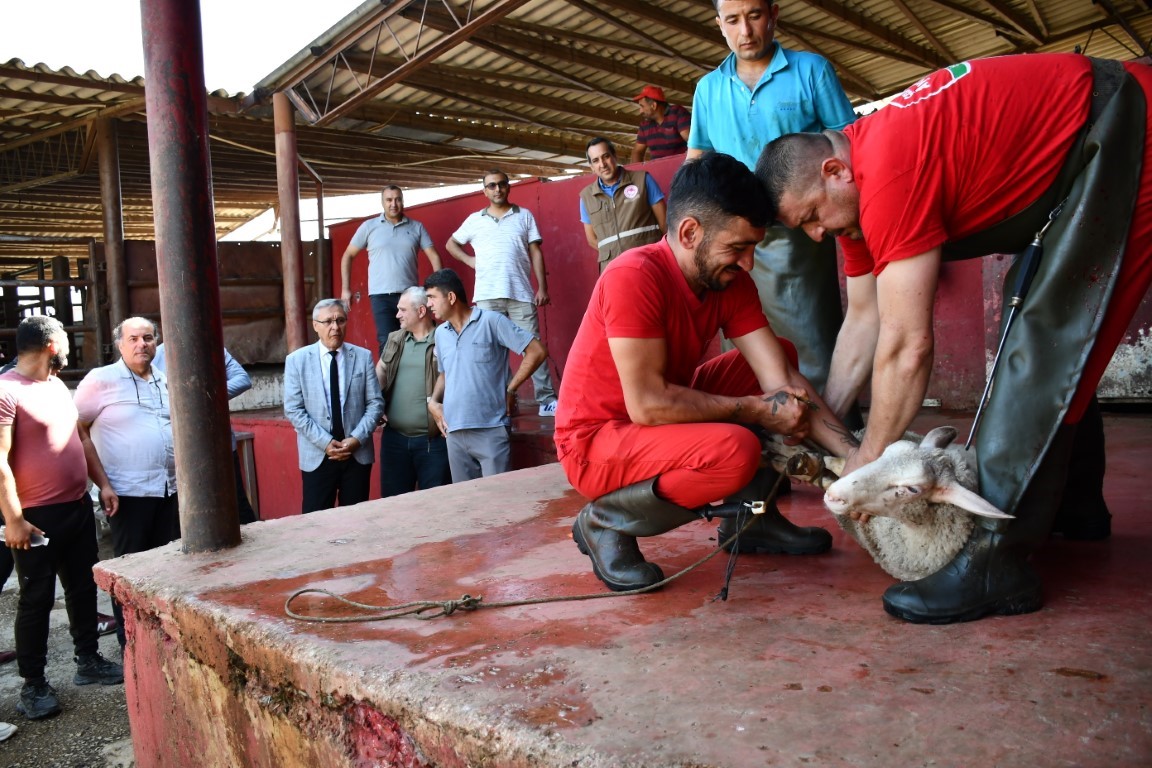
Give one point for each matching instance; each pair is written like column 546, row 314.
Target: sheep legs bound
column 991, row 574
column 606, row 531
column 772, row 533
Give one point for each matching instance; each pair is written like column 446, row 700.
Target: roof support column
column 291, row 251
column 188, row 273
column 108, row 154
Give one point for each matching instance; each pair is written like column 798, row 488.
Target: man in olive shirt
column 413, row 451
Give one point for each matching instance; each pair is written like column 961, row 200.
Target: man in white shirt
column 126, row 429
column 505, row 240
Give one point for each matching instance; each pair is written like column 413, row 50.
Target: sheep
column 919, row 495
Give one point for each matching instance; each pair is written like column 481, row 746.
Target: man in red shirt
column 48, row 520
column 649, row 433
column 972, row 160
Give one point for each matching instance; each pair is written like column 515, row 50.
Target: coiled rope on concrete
column 426, row 610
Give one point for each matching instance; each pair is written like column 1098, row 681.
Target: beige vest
column 624, row 220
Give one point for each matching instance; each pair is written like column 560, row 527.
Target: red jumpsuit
column 643, row 294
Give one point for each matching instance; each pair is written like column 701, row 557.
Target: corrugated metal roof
column 422, row 93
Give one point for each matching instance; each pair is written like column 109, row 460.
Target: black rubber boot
column 1083, row 513
column 991, row 574
column 772, row 533
column 606, row 531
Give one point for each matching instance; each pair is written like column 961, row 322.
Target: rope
column 426, row 610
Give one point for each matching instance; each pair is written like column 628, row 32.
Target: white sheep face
column 907, row 477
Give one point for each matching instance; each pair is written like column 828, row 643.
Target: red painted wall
column 571, row 264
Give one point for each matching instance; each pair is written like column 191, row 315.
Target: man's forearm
column 9, row 500
column 899, row 383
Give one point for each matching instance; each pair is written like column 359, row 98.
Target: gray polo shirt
column 392, row 251
column 475, row 367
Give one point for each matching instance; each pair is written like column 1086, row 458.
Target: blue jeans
column 408, row 463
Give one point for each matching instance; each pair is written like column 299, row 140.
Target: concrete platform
column 800, row 666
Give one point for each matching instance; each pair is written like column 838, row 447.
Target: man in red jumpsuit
column 974, row 160
column 646, row 430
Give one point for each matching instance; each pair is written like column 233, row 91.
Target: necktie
column 334, row 389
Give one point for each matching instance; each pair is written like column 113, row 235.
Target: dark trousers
column 408, row 463
column 243, row 506
column 70, row 554
column 384, row 307
column 140, row 524
column 346, row 480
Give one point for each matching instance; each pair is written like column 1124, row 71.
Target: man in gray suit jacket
column 332, row 398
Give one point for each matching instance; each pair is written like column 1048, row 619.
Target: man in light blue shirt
column 759, row 92
column 474, row 397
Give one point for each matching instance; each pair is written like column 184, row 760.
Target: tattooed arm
column 786, row 388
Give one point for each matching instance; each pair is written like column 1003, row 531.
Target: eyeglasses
column 331, row 320
column 159, row 392
column 496, row 185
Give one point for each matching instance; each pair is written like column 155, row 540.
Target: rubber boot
column 606, row 531
column 991, row 574
column 772, row 533
column 1083, row 513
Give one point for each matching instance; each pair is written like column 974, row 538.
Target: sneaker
column 549, row 409
column 38, row 700
column 6, row 731
column 105, row 624
column 95, row 668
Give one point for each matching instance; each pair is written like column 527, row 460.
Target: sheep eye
column 914, row 490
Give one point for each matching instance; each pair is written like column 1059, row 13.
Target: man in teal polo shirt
column 759, row 92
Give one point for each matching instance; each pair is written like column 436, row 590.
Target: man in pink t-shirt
column 43, row 496
column 649, row 433
column 974, row 160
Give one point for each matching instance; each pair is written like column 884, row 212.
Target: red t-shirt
column 642, row 294
column 962, row 149
column 47, row 458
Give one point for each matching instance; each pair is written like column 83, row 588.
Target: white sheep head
column 908, row 476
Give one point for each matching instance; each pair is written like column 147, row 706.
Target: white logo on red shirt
column 936, row 82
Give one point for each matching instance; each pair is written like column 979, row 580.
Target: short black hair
column 599, row 140
column 715, row 188
column 448, row 282
column 35, row 331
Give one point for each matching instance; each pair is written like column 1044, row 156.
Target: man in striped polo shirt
column 665, row 128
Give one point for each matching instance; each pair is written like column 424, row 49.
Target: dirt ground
column 92, row 731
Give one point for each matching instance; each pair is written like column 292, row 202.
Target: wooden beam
column 929, row 35
column 922, row 54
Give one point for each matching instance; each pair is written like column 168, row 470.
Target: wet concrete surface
column 799, row 666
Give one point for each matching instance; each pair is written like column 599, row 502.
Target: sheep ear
column 940, row 437
column 967, row 500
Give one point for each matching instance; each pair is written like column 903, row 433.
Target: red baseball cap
column 651, row 92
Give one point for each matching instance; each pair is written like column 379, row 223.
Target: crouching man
column 646, row 431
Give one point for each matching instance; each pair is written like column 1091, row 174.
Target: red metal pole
column 188, row 274
column 296, row 312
